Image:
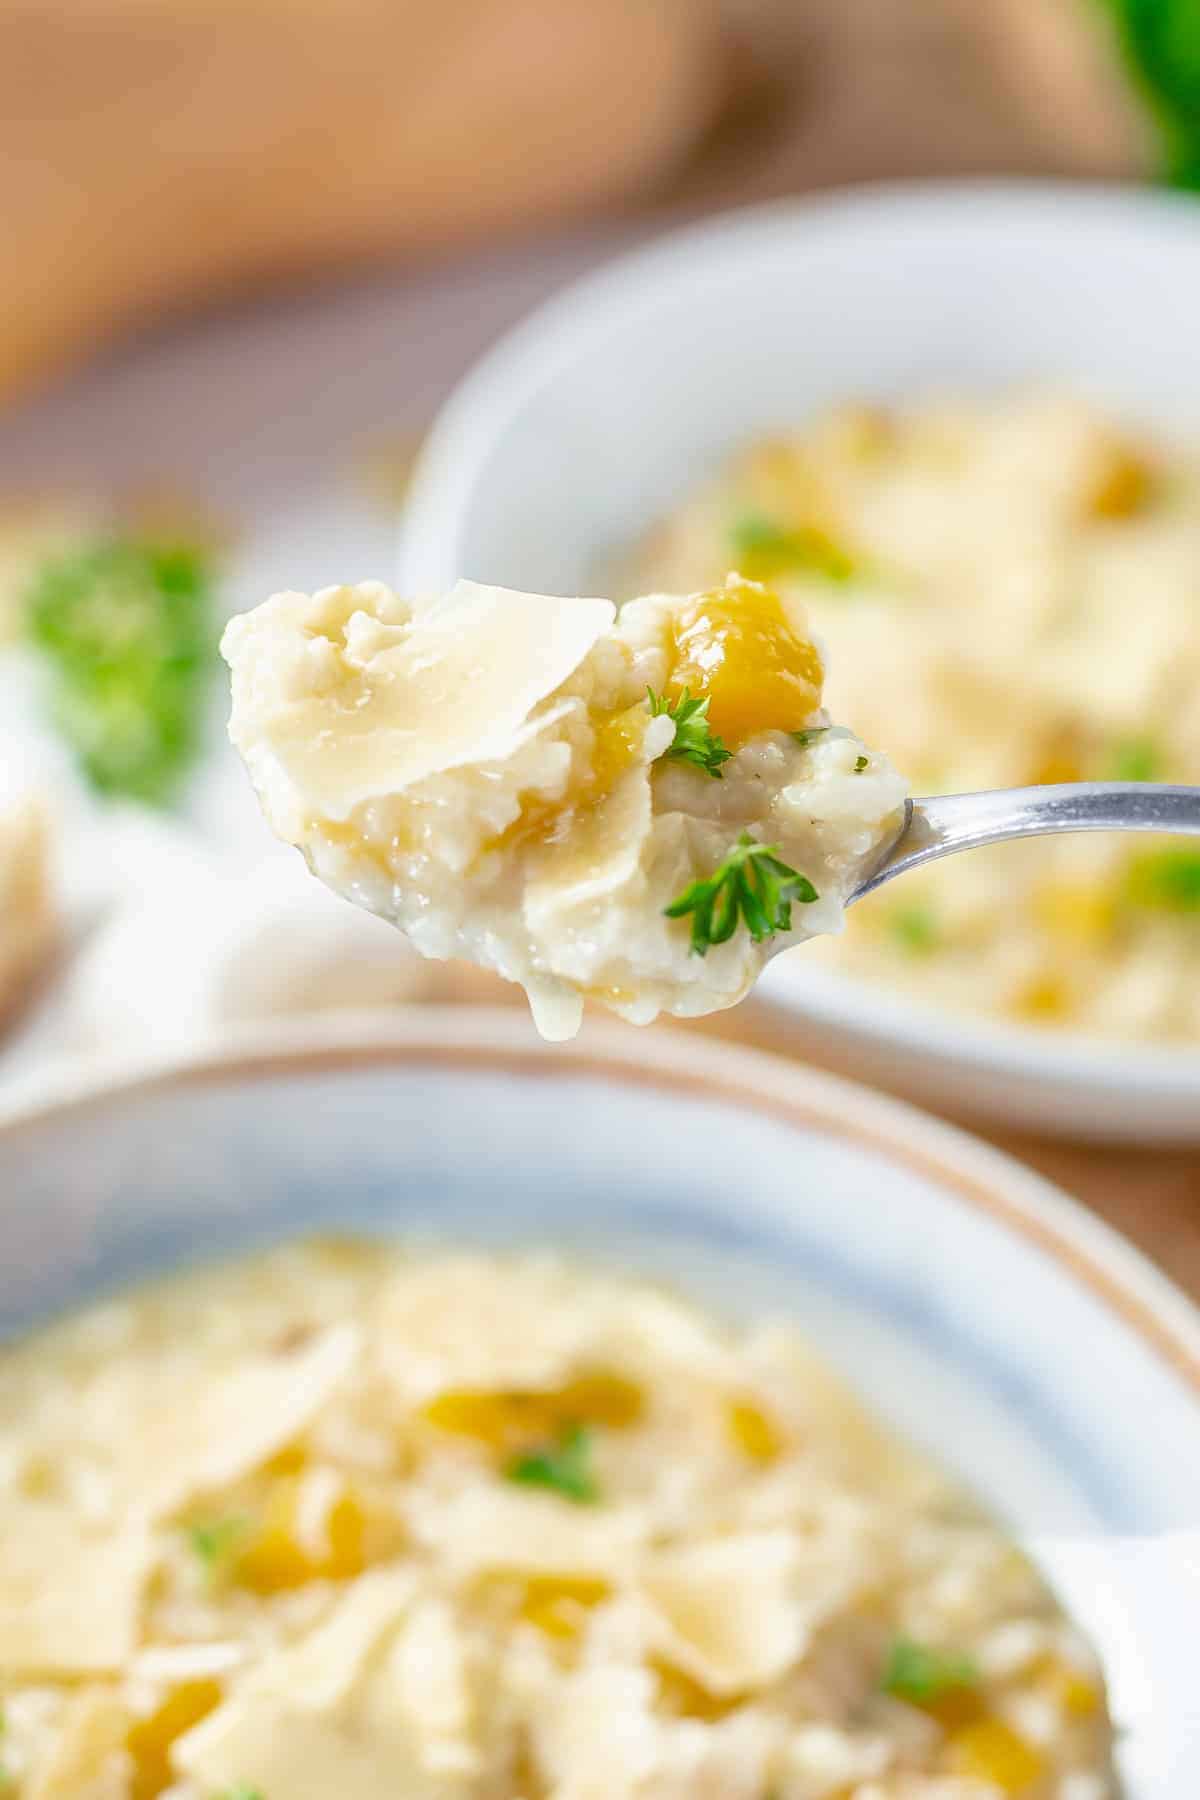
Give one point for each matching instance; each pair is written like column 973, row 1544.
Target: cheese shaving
column 69, row 1601
column 86, row 1760
column 235, row 1422
column 392, row 703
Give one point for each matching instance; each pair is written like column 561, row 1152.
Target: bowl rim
column 1086, row 1249
column 568, row 324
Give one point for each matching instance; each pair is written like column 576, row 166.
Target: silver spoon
column 950, row 822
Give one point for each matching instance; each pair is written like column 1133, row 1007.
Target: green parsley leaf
column 916, row 1673
column 563, row 1466
column 214, row 1541
column 241, row 1792
column 860, row 763
column 764, row 550
column 694, row 740
column 1161, row 39
column 1137, row 759
column 915, row 929
column 1165, row 881
column 125, row 631
column 753, row 885
column 814, row 733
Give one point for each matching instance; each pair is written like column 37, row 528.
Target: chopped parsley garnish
column 920, row 1675
column 1137, row 759
column 764, row 549
column 860, row 763
column 241, row 1792
column 125, row 629
column 694, row 740
column 1165, row 881
column 563, row 1466
column 814, row 733
column 213, row 1542
column 915, row 929
column 751, row 885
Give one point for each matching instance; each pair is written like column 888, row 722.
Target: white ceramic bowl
column 610, row 402
column 982, row 1312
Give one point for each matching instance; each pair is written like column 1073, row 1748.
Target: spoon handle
column 949, row 822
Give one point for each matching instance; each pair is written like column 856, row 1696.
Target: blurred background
column 163, row 154
column 251, row 250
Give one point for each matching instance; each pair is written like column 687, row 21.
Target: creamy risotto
column 342, row 1521
column 1009, row 593
column 637, row 810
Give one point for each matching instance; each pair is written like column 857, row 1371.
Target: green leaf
column 241, row 1792
column 751, row 885
column 1164, row 881
column 1137, row 759
column 764, row 549
column 1161, row 41
column 125, row 631
column 920, row 1675
column 563, row 1466
column 694, row 741
column 212, row 1542
column 860, row 763
column 915, row 929
column 814, row 733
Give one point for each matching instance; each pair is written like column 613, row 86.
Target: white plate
column 986, row 1315
column 609, row 404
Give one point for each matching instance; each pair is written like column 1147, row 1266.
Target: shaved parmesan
column 87, row 1759
column 446, row 1325
column 69, row 1602
column 484, row 1528
column 725, row 1611
column 454, row 684
column 168, row 1665
column 236, row 1421
column 424, row 1678
column 277, row 1748
column 599, row 857
column 335, row 1715
column 601, row 1741
column 322, row 1670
